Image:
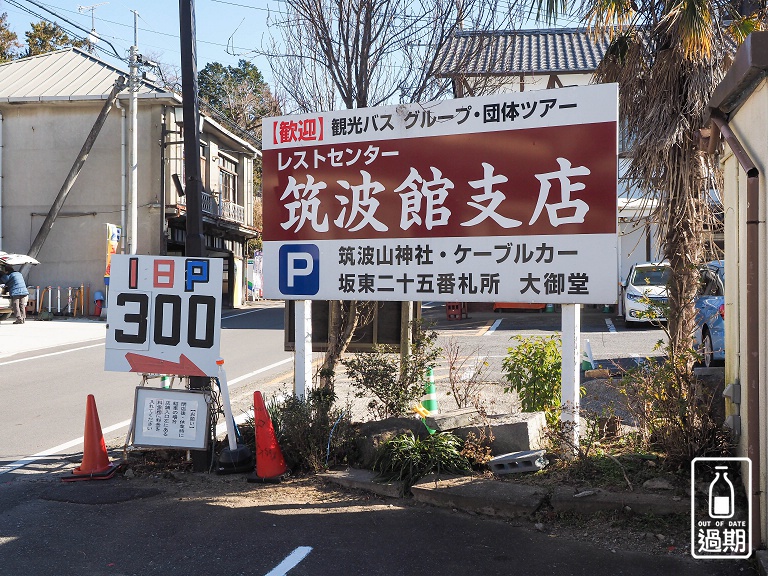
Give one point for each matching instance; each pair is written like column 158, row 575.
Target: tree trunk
column 343, row 322
column 684, row 248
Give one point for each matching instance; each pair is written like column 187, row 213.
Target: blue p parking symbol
column 299, row 266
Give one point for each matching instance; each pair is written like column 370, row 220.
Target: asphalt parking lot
column 490, row 333
column 484, row 337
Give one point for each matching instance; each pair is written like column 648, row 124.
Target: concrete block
column 761, row 556
column 518, row 462
column 512, row 432
column 453, row 419
column 479, row 495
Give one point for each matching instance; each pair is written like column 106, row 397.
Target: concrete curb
column 360, row 479
column 479, row 495
column 587, row 502
column 508, row 499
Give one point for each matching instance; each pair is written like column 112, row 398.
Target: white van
column 645, row 286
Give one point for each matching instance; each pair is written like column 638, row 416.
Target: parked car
column 646, row 285
column 5, row 304
column 709, row 337
column 6, row 308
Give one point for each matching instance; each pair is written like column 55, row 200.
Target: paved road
column 49, row 379
column 166, row 527
column 609, row 339
column 48, row 386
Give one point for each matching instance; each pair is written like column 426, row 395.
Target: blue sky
column 226, row 29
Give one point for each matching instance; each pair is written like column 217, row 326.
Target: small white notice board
column 170, row 418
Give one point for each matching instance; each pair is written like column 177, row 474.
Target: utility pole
column 195, row 241
column 133, row 174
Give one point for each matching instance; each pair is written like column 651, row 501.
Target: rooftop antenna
column 93, row 37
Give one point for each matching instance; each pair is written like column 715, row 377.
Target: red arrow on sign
column 149, row 365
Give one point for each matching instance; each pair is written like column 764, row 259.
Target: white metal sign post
column 509, row 197
column 303, row 347
column 570, row 388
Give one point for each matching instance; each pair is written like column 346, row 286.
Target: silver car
column 5, row 304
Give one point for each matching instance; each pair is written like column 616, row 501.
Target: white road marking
column 56, row 449
column 243, row 313
column 493, row 328
column 609, row 323
column 124, row 424
column 259, row 371
column 50, row 354
column 291, row 561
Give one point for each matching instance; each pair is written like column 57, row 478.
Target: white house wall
column 540, row 81
column 734, row 189
column 41, row 143
column 633, row 244
column 748, row 124
column 526, row 82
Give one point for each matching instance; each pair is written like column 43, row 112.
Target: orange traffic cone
column 95, row 464
column 270, row 464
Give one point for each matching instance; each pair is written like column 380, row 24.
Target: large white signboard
column 164, row 315
column 510, row 197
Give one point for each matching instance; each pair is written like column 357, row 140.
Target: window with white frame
column 228, row 179
column 204, row 167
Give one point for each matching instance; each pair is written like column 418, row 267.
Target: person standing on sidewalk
column 17, row 290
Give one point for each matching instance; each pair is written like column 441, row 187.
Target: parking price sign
column 509, row 197
column 164, row 315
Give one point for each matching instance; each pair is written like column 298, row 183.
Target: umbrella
column 16, row 259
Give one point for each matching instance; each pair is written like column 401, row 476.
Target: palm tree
column 667, row 57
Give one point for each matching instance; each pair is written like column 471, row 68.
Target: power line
column 241, row 5
column 67, row 30
column 129, row 26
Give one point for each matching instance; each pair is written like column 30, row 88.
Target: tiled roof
column 67, row 74
column 522, row 51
